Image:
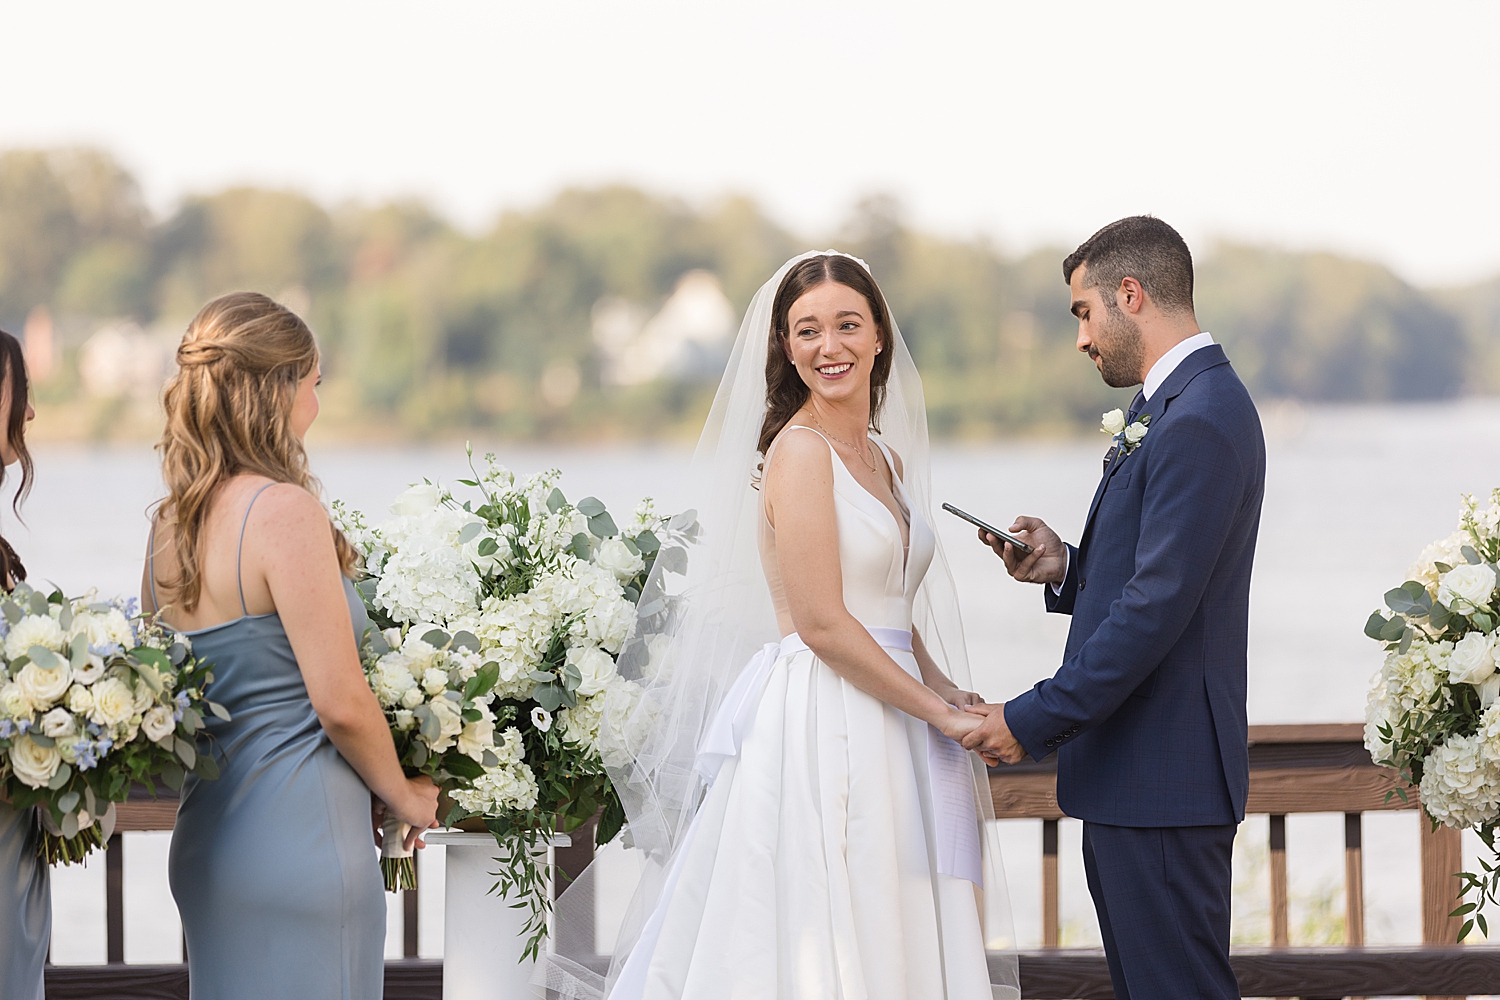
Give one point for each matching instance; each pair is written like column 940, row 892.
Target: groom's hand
column 1048, row 561
column 993, row 738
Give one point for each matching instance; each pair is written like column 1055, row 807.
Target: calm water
column 1352, row 495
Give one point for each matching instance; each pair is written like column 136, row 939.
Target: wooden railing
column 1293, row 769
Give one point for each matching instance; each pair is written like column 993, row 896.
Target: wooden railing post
column 1279, row 937
column 1354, row 880
column 1049, row 884
column 1442, row 856
column 114, row 899
column 409, row 923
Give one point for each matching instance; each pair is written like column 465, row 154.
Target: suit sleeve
column 1061, row 602
column 1194, row 489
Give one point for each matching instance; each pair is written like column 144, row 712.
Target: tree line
column 427, row 328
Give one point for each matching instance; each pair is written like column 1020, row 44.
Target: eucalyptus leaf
column 437, row 637
column 41, row 739
column 206, row 768
column 630, row 544
column 470, row 532
column 186, row 753
column 466, row 640
column 60, row 777
column 419, row 755
column 171, row 775
column 152, row 678
column 69, row 825
column 68, row 801
column 581, row 546
column 549, row 696
column 1442, row 567
column 177, row 652
column 1439, row 616
column 1398, row 600
column 78, row 652
column 1482, row 621
column 217, row 709
column 192, row 719
column 155, row 657
column 590, row 507
column 1372, row 627
column 1393, row 629
column 683, row 521
column 673, row 559
column 1406, row 638
column 542, row 677
column 65, row 617
column 488, row 547
column 490, row 760
column 1471, row 555
column 45, row 658
column 432, row 729
column 603, row 526
column 12, row 611
column 556, row 501
column 376, row 639
column 652, row 608
column 38, row 605
column 647, row 542
column 89, row 801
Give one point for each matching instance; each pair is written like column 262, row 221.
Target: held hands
column 992, row 737
column 1048, row 561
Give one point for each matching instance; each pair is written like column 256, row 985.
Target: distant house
column 689, row 337
column 123, row 360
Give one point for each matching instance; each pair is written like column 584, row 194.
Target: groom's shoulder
column 1218, row 406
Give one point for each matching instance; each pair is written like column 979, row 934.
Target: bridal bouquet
column 92, row 699
column 500, row 620
column 1434, row 708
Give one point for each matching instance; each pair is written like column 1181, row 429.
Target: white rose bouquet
column 1434, row 708
column 501, row 620
column 93, row 699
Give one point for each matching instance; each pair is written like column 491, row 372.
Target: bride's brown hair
column 229, row 410
column 785, row 390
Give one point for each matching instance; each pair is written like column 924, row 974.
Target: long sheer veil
column 705, row 612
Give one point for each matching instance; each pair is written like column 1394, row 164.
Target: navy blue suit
column 1147, row 711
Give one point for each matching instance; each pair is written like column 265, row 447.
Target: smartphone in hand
column 1004, row 536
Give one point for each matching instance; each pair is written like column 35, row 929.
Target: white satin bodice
column 880, row 577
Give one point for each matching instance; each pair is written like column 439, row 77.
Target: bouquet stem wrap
column 396, row 861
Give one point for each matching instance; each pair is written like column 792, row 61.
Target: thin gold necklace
column 869, row 464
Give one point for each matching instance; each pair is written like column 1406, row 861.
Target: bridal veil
column 706, row 611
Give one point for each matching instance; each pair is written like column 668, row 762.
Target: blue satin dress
column 273, row 865
column 25, row 905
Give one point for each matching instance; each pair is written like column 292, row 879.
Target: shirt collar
column 1168, row 362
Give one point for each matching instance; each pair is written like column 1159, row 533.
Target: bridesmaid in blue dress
column 273, row 865
column 25, row 890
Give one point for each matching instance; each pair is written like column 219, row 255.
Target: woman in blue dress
column 25, row 895
column 273, row 865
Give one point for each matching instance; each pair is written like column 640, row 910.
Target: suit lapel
column 1191, row 367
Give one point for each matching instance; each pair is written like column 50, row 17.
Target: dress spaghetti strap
column 239, row 555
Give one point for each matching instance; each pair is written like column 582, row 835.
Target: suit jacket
column 1147, row 711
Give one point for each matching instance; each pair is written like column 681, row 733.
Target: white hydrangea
column 1448, row 551
column 1405, row 681
column 580, row 724
column 426, row 576
column 33, row 630
column 1460, row 787
column 626, row 722
column 508, row 785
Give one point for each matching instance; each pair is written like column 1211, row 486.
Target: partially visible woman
column 273, row 865
column 25, row 890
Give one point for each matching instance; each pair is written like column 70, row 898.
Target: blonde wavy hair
column 228, row 411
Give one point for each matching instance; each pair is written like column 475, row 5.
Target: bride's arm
column 799, row 500
column 933, row 676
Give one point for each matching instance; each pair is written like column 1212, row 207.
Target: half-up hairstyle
column 785, row 390
column 229, row 409
column 13, row 371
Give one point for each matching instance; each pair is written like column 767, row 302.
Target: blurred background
column 536, row 227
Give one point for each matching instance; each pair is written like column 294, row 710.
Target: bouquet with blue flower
column 94, row 698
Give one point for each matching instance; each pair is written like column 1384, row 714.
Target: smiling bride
column 810, row 828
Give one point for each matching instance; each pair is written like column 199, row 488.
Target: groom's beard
column 1119, row 352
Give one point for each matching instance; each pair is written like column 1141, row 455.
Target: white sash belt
column 950, row 774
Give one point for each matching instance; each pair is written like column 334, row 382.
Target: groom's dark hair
column 1141, row 247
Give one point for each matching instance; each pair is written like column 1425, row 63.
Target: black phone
column 1004, row 536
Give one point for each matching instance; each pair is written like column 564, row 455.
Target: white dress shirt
column 1164, row 367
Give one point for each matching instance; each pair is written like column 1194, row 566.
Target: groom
column 1147, row 711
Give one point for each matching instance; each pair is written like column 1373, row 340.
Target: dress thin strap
column 798, row 427
column 151, row 564
column 239, row 556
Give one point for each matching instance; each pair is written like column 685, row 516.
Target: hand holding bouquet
column 93, row 699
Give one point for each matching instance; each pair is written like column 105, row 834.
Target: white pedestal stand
column 482, row 937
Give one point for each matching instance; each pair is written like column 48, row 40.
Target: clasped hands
column 981, row 726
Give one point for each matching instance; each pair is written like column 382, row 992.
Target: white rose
column 419, row 499
column 594, row 665
column 434, row 681
column 1134, row 433
column 33, row 630
column 13, row 701
column 450, row 722
column 58, row 724
column 412, row 698
column 90, row 671
column 110, row 627
column 144, row 698
column 80, row 700
column 1113, row 422
column 405, row 719
column 615, row 556
column 391, row 679
column 32, row 763
column 1470, row 584
column 114, row 702
column 541, row 718
column 476, row 738
column 1473, row 659
column 158, row 723
column 44, row 687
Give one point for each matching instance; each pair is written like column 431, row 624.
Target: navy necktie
column 1136, row 406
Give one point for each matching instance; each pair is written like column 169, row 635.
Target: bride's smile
column 833, row 342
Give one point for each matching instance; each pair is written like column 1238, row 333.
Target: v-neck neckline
column 895, row 485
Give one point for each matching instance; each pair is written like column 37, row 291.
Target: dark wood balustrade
column 1293, row 769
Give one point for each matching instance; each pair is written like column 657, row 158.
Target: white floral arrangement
column 94, row 698
column 1433, row 711
column 500, row 620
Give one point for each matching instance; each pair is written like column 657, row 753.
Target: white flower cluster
column 421, row 687
column 66, row 697
column 507, row 785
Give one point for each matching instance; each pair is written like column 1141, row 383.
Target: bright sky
column 1368, row 127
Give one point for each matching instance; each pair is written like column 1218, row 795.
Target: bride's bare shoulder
column 798, row 457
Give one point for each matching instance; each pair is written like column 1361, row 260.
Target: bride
column 809, row 827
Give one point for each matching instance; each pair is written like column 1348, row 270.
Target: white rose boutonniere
column 1127, row 437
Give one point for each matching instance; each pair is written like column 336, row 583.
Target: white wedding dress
column 836, row 852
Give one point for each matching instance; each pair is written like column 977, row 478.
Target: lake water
column 1352, row 495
